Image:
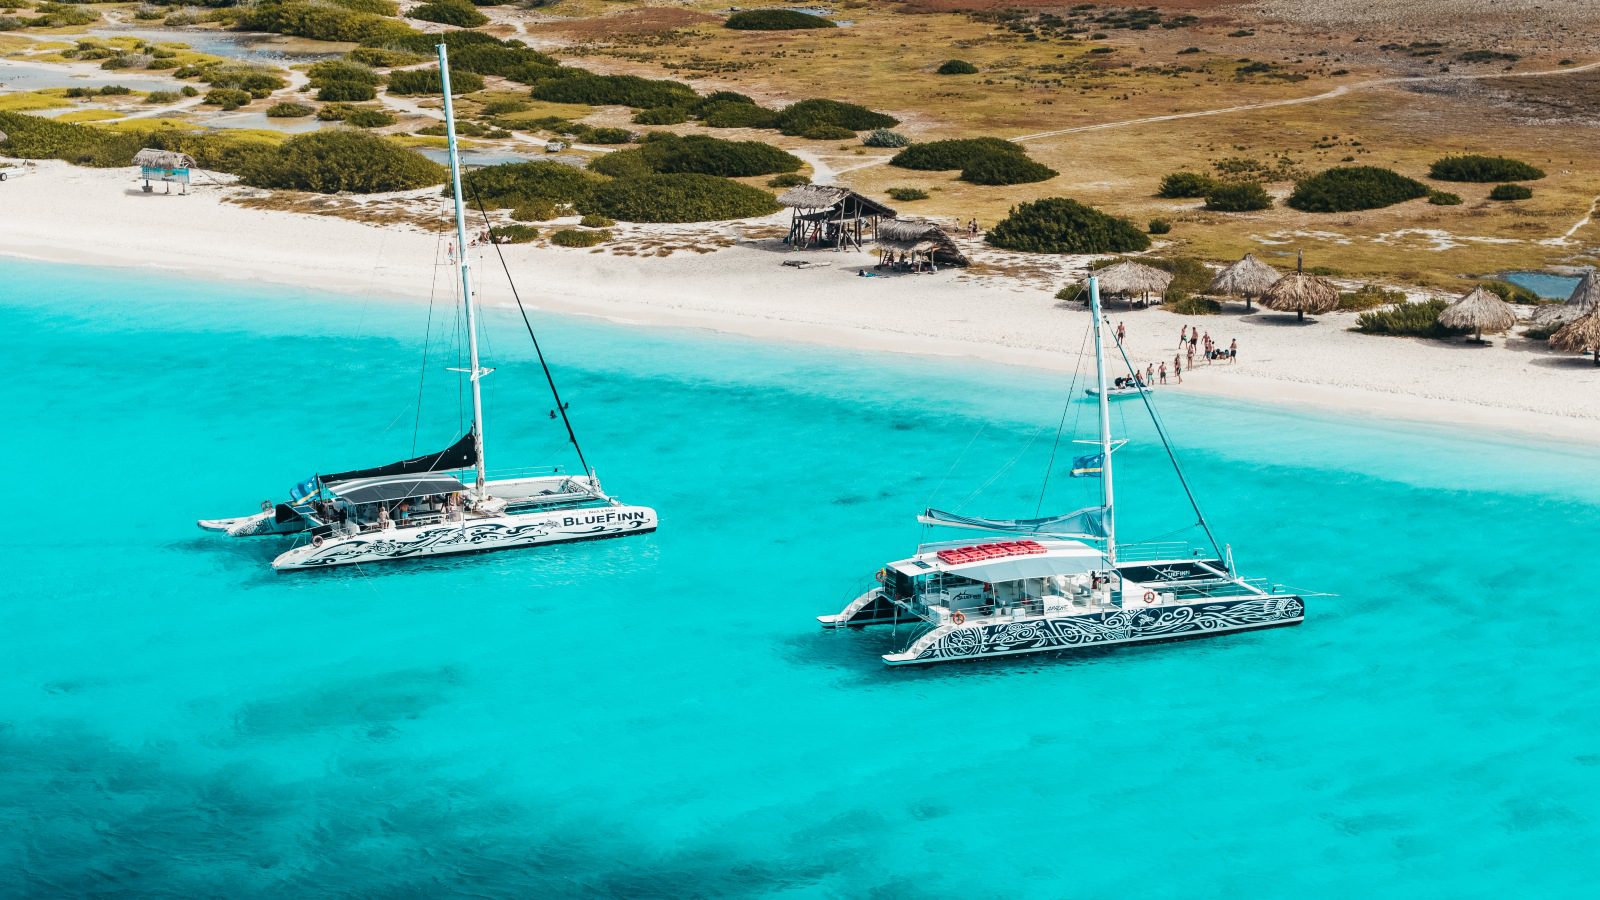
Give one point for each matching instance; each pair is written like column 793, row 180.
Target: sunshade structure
column 829, row 216
column 1300, row 293
column 1585, row 299
column 1580, row 335
column 921, row 239
column 151, row 158
column 396, row 487
column 1130, row 278
column 1480, row 311
column 1248, row 278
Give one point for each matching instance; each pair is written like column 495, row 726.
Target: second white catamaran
column 442, row 503
column 1061, row 583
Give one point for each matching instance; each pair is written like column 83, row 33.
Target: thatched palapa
column 1580, row 335
column 1585, row 299
column 1480, row 311
column 922, row 239
column 151, row 158
column 830, row 216
column 1248, row 278
column 1129, row 278
column 1300, row 293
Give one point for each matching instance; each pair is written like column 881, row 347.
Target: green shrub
column 701, row 154
column 128, row 61
column 661, row 115
column 1237, row 196
column 181, row 19
column 594, row 221
column 572, row 237
column 1511, row 293
column 1189, row 276
column 115, row 90
column 1369, row 296
column 459, row 13
column 953, row 154
column 288, row 110
column 320, row 21
column 957, row 67
column 1160, row 226
column 678, row 198
column 36, row 137
column 1510, row 192
column 258, row 81
column 189, row 90
column 775, row 20
column 344, row 160
column 388, row 57
column 800, row 117
column 615, row 90
column 1060, row 225
column 518, row 185
column 346, row 92
column 906, row 194
column 609, row 136
column 368, row 117
column 1408, row 320
column 883, row 137
column 1006, row 168
column 60, row 15
column 1186, row 184
column 827, row 133
column 513, row 234
column 227, row 98
column 426, row 81
column 1349, row 188
column 787, row 180
column 1444, row 198
column 535, row 211
column 1195, row 306
column 732, row 114
column 1483, row 169
column 162, row 97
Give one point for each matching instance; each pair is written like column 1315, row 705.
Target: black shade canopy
column 460, row 455
column 395, row 487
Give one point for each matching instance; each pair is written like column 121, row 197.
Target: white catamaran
column 1063, row 582
column 424, row 506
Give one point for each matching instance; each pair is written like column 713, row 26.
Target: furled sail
column 1085, row 523
column 460, row 455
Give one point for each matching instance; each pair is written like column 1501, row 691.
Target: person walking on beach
column 1163, row 373
column 1183, row 336
column 1191, row 354
column 1177, row 369
column 1122, row 332
column 1233, row 351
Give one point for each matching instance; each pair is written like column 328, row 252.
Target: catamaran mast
column 466, row 267
column 1106, row 495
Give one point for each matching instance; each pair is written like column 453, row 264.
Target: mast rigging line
column 427, row 334
column 1072, row 392
column 1166, row 444
column 561, row 408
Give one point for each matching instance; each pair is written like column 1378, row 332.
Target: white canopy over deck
column 1054, row 558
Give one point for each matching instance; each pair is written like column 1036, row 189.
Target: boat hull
column 1049, row 634
column 507, row 532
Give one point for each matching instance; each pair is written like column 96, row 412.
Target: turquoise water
column 659, row 716
column 1546, row 284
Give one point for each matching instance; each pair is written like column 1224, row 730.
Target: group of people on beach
column 1190, row 340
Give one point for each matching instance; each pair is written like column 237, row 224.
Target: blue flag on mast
column 1087, row 466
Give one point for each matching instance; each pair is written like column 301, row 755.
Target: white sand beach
column 56, row 212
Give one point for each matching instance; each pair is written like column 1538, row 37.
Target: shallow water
column 22, row 76
column 243, row 45
column 1546, row 284
column 659, row 716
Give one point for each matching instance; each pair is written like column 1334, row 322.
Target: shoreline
column 66, row 215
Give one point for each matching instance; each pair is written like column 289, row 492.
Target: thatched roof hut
column 1129, row 278
column 1580, row 335
column 1585, row 299
column 830, row 216
column 1248, row 278
column 1480, row 311
column 1300, row 293
column 920, row 238
column 152, row 158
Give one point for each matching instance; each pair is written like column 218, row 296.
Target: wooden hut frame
column 826, row 216
column 924, row 244
column 164, row 165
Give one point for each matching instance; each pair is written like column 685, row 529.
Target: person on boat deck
column 403, row 512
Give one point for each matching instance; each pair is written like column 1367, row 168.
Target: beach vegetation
column 1190, row 276
column 798, row 118
column 427, row 81
column 609, row 136
column 1369, row 296
column 596, row 221
column 775, row 20
column 1237, row 196
column 1511, row 293
column 956, row 67
column 1195, row 306
column 535, row 211
column 1420, row 319
column 883, row 137
column 189, row 90
column 57, row 15
column 1444, row 198
column 615, row 90
column 227, row 98
column 514, row 233
column 183, row 18
column 661, row 115
column 358, row 116
column 1350, row 188
column 162, row 97
column 259, row 81
column 906, row 194
column 1062, row 225
column 387, row 57
column 827, row 133
column 288, row 110
column 702, row 154
column 321, row 21
column 459, row 13
column 526, row 187
column 1159, row 226
column 329, row 162
column 678, row 197
column 1510, row 192
column 1180, row 185
column 343, row 80
column 953, row 154
column 787, row 180
column 1006, row 168
column 572, row 237
column 735, row 114
column 1483, row 169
